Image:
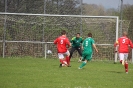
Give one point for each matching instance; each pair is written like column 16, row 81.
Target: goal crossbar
column 84, row 16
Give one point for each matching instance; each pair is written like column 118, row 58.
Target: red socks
column 63, row 61
column 126, row 67
column 68, row 60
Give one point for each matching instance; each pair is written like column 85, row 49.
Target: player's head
column 63, row 32
column 124, row 33
column 89, row 34
column 78, row 35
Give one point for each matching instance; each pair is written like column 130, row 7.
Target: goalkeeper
column 76, row 43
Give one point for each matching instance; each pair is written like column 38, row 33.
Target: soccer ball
column 49, row 52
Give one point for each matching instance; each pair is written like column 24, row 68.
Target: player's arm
column 130, row 43
column 68, row 43
column 55, row 41
column 115, row 49
column 94, row 46
column 82, row 39
column 72, row 40
column 82, row 45
column 116, row 46
column 116, row 43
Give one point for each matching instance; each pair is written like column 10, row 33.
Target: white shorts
column 123, row 56
column 61, row 55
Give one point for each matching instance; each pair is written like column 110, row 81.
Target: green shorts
column 87, row 56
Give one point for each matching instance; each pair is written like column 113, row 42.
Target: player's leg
column 83, row 64
column 61, row 58
column 121, row 57
column 80, row 53
column 87, row 57
column 71, row 52
column 126, row 63
column 67, row 58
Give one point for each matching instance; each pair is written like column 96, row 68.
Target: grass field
column 45, row 73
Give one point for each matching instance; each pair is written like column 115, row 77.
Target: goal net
column 33, row 34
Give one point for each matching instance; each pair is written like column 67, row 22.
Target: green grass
column 45, row 73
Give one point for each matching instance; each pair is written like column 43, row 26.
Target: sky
column 108, row 3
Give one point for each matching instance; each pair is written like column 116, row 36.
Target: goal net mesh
column 26, row 35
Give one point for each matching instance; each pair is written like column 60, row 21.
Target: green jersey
column 76, row 42
column 87, row 45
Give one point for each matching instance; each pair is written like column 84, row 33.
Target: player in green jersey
column 76, row 44
column 88, row 45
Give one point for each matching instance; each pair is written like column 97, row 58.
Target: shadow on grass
column 114, row 72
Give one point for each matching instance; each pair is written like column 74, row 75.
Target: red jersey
column 62, row 42
column 123, row 43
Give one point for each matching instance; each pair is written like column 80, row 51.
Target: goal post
column 117, row 24
column 28, row 28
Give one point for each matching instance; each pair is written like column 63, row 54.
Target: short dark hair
column 89, row 34
column 78, row 33
column 63, row 32
column 125, row 33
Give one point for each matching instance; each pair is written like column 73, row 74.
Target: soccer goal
column 33, row 34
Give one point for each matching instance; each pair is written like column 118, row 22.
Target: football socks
column 83, row 64
column 126, row 67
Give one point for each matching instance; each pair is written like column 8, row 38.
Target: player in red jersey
column 123, row 44
column 62, row 42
